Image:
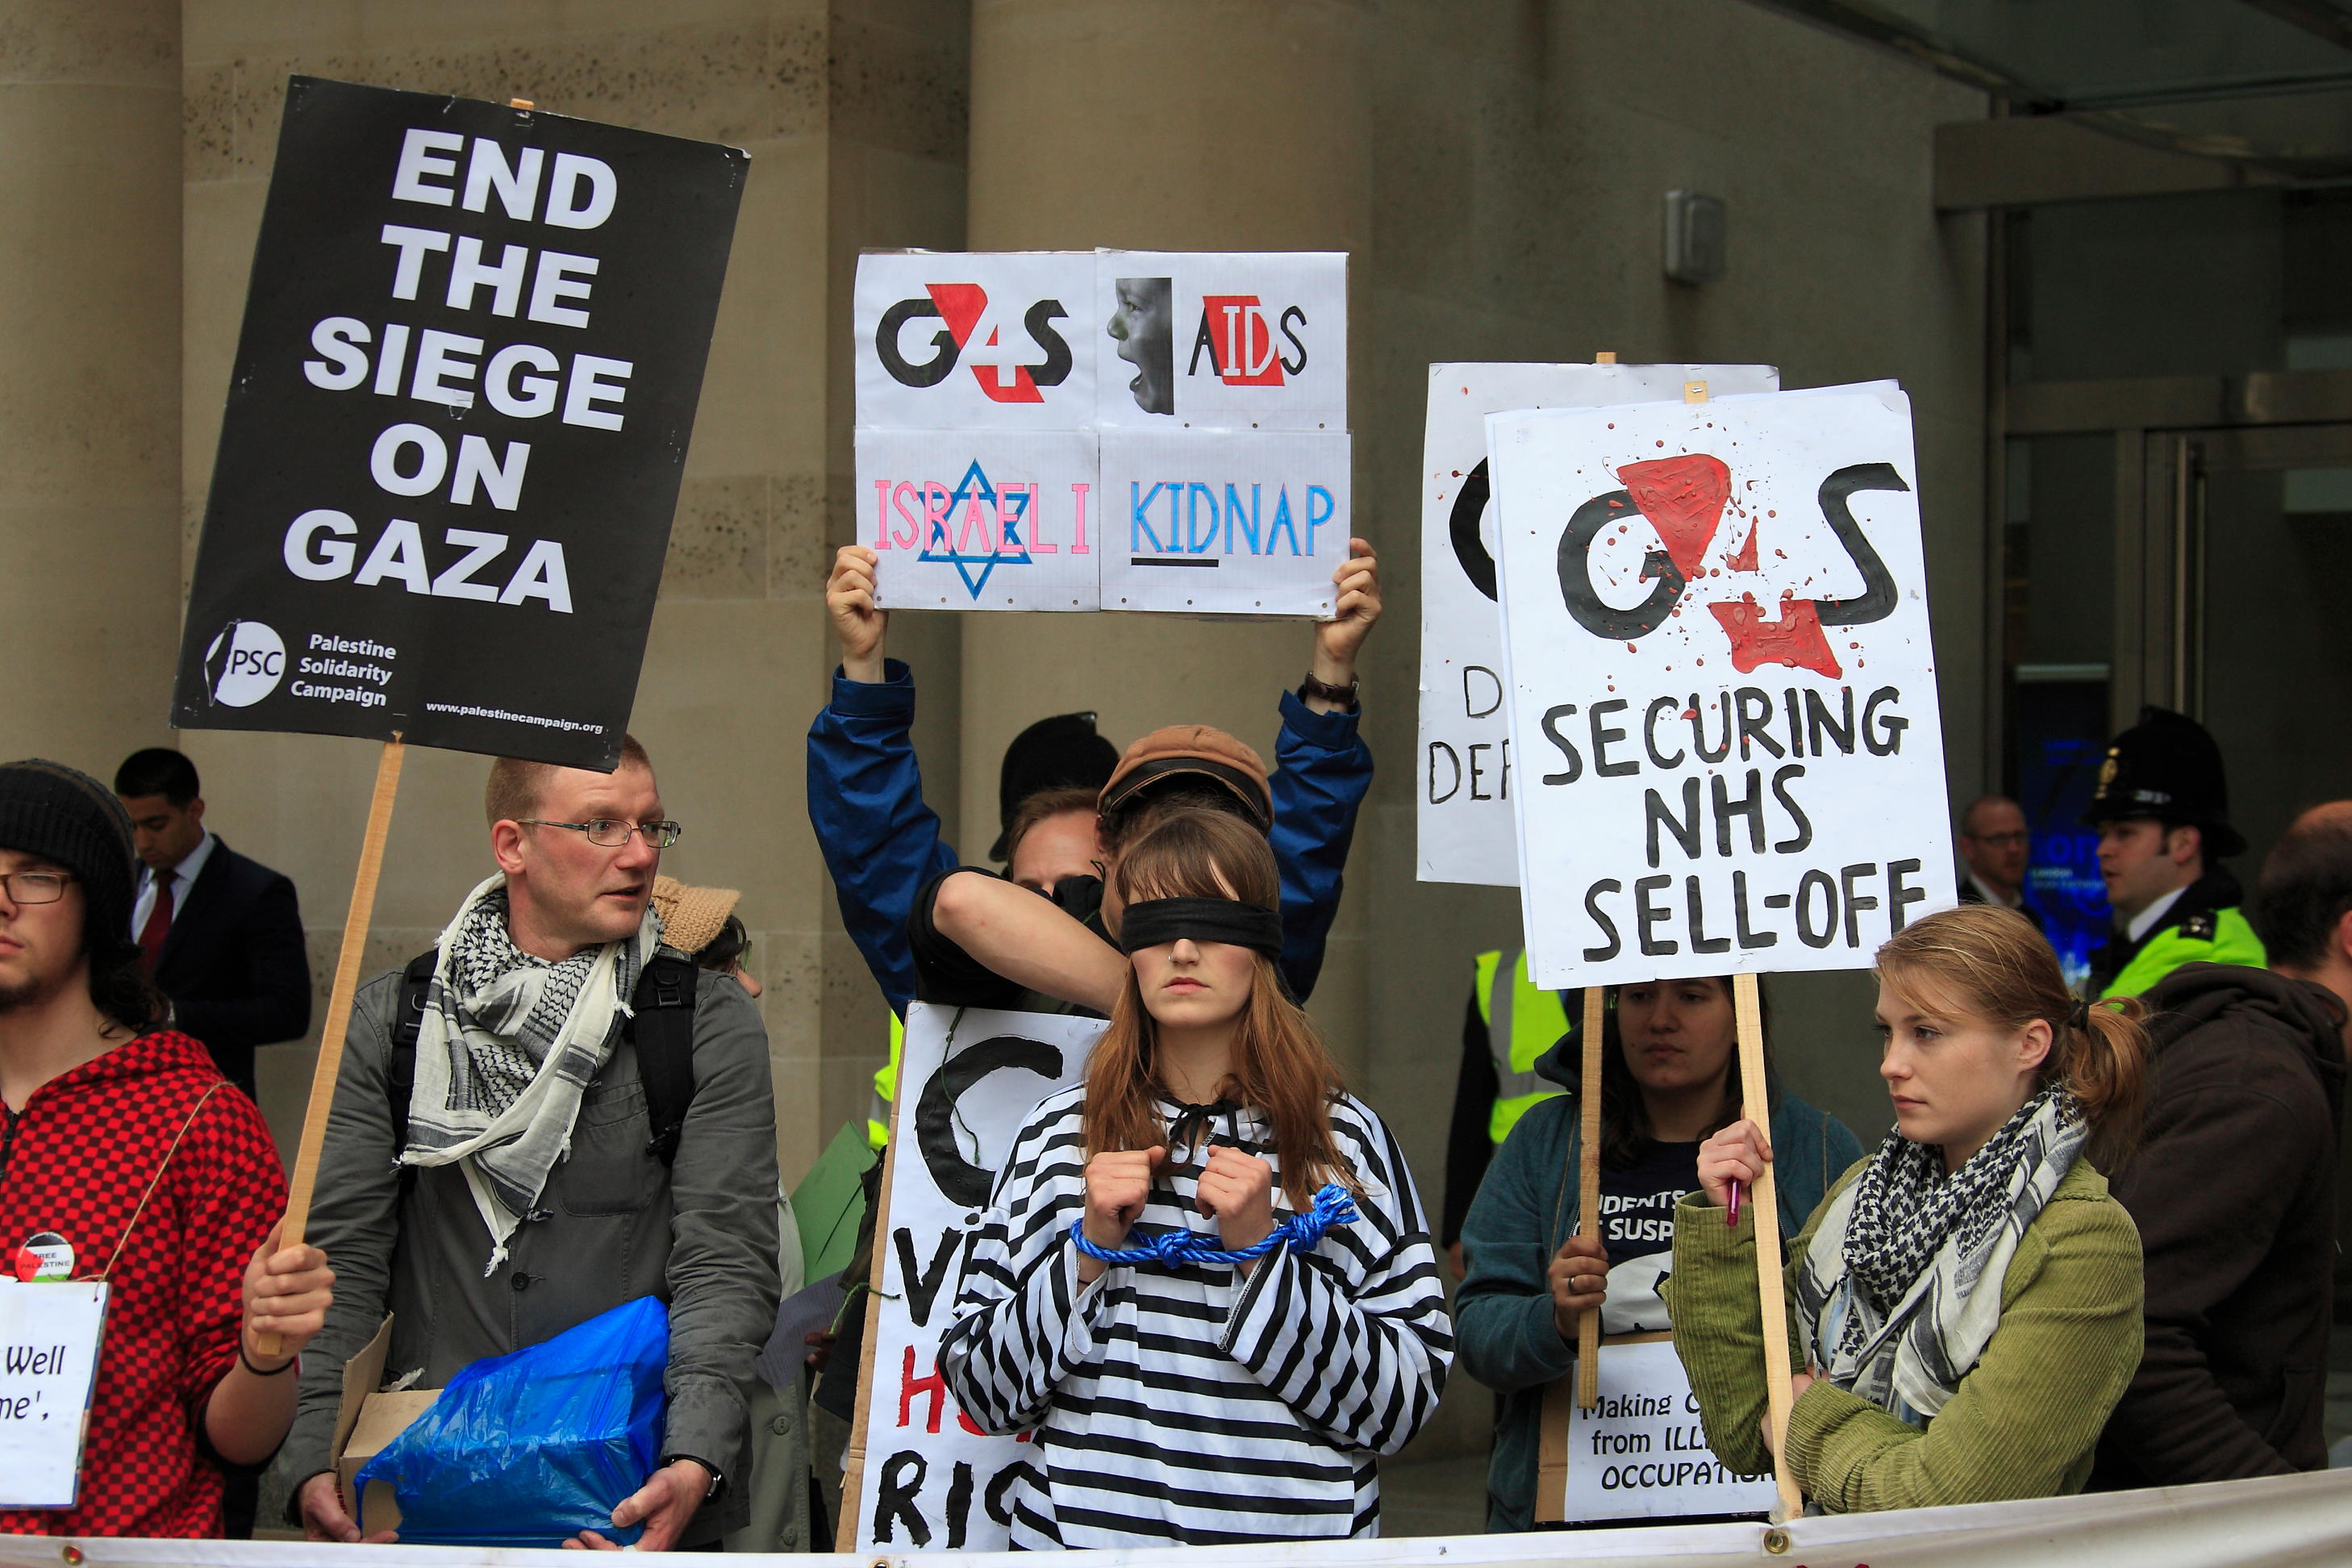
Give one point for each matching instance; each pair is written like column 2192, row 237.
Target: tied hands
column 1236, row 1190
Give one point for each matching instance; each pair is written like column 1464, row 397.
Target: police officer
column 2162, row 811
column 1511, row 1021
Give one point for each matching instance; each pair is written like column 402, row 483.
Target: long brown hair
column 1279, row 1062
column 1993, row 961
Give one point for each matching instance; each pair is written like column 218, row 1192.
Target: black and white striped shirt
column 1195, row 1405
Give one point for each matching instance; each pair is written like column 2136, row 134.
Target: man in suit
column 219, row 934
column 1993, row 846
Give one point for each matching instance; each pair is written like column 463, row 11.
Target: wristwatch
column 1345, row 696
column 716, row 1481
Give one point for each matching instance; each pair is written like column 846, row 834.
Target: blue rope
column 1177, row 1248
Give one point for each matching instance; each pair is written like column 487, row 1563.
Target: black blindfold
column 1157, row 922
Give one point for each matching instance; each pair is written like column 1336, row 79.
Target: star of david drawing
column 974, row 484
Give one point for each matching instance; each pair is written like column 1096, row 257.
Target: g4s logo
column 975, row 335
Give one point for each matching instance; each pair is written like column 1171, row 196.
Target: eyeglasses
column 34, row 887
column 2006, row 839
column 611, row 833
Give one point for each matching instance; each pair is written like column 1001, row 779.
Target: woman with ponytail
column 1967, row 1300
column 1186, row 1384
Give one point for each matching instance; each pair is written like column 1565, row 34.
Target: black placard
column 471, row 354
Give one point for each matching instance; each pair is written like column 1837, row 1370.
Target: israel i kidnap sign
column 471, row 355
column 1115, row 430
column 1721, row 689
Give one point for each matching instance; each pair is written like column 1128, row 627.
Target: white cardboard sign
column 1217, row 382
column 1467, row 833
column 967, row 1080
column 1243, row 523
column 49, row 1339
column 1721, row 684
column 972, row 519
column 1233, row 340
column 1641, row 1452
column 974, row 341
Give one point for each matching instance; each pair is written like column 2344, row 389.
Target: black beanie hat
column 1060, row 753
column 62, row 814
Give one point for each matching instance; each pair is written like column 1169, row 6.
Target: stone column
column 90, row 376
column 1179, row 125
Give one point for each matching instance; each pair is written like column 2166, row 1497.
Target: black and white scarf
column 506, row 1047
column 1900, row 1289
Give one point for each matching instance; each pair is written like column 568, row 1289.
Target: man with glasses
column 587, row 1118
column 1993, row 844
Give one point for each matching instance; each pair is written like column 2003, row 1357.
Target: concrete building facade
column 1495, row 168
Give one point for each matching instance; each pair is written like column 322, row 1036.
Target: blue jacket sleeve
column 1322, row 771
column 879, row 841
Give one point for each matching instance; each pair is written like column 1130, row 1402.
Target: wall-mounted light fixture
column 1695, row 238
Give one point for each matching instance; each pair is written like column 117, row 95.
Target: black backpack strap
column 664, row 1032
column 400, row 1070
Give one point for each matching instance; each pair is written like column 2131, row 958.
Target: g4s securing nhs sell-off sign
column 1467, row 831
column 1720, row 683
column 1121, row 430
column 471, row 355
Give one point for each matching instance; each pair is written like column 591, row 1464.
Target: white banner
column 1467, row 833
column 967, row 1081
column 49, row 1338
column 1237, row 522
column 2281, row 1521
column 1721, row 684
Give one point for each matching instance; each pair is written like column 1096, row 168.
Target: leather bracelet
column 246, row 1362
column 1345, row 696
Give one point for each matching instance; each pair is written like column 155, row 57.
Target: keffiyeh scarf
column 1900, row 1289
column 506, row 1047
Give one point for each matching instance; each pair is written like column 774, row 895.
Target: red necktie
column 158, row 926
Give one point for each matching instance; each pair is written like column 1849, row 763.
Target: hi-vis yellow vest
column 1523, row 1021
column 886, row 1088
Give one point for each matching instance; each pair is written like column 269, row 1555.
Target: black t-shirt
column 1637, row 1226
column 946, row 973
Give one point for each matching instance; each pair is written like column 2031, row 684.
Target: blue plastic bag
column 530, row 1449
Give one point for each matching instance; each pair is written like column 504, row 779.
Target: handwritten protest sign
column 49, row 1338
column 968, row 1079
column 1641, row 1452
column 1467, row 830
column 1120, row 430
column 1721, row 684
column 471, row 357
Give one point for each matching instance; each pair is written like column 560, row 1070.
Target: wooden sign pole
column 1763, row 1204
column 339, row 1004
column 1588, row 1192
column 852, row 1470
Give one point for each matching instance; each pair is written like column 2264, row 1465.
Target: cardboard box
column 368, row 1419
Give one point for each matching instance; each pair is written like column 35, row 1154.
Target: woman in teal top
column 1670, row 1078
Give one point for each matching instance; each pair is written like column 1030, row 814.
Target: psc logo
column 244, row 664
column 975, row 335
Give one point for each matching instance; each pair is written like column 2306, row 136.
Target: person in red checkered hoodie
column 125, row 1156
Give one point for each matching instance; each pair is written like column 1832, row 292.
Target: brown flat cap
column 1194, row 750
column 691, row 917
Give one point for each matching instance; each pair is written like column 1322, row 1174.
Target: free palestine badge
column 46, row 1255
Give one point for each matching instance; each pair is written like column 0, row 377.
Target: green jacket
column 2028, row 1415
column 2225, row 936
column 1503, row 1331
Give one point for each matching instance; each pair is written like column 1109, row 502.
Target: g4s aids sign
column 1119, row 430
column 1467, row 831
column 1721, row 684
column 463, row 390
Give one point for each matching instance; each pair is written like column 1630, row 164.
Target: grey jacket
column 612, row 1224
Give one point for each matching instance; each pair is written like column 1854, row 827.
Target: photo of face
column 1146, row 336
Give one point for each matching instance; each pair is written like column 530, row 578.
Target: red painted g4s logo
column 975, row 335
